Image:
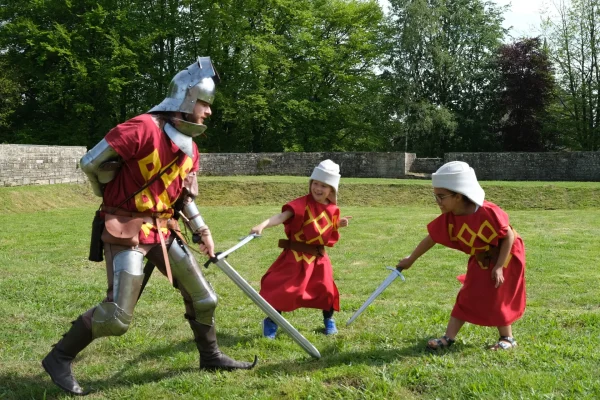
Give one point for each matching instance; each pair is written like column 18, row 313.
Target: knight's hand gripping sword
column 222, row 263
column 391, row 277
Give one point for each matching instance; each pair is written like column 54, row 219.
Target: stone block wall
column 558, row 166
column 40, row 165
column 425, row 165
column 352, row 164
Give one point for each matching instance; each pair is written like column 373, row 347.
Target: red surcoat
column 478, row 301
column 298, row 279
column 146, row 151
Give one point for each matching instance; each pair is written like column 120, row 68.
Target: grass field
column 46, row 282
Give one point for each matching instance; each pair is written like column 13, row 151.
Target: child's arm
column 273, row 221
column 344, row 221
column 505, row 246
column 421, row 249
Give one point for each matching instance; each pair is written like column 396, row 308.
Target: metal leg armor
column 113, row 318
column 189, row 276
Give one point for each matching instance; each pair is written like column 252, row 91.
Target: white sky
column 524, row 16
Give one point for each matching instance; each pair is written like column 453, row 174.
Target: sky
column 524, row 16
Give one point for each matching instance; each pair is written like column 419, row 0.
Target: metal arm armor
column 91, row 165
column 194, row 219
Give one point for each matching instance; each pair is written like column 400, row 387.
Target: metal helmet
column 196, row 82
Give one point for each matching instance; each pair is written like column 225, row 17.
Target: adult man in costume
column 145, row 171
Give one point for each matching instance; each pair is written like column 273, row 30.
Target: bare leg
column 452, row 329
column 505, row 330
column 454, row 326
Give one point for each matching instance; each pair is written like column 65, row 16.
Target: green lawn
column 46, row 281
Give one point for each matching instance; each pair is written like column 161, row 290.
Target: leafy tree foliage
column 527, row 84
column 296, row 75
column 441, row 64
column 574, row 43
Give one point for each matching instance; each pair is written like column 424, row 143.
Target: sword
column 220, row 261
column 391, row 277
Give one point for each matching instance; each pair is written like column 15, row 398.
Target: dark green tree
column 527, row 85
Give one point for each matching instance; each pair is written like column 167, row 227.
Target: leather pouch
column 122, row 230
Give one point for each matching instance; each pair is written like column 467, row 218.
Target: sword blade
column 387, row 282
column 237, row 246
column 267, row 308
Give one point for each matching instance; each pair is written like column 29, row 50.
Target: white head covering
column 458, row 177
column 327, row 172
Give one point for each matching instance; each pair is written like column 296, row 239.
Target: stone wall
column 425, row 165
column 40, row 165
column 560, row 166
column 352, row 164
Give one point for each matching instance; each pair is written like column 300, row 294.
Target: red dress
column 478, row 301
column 298, row 279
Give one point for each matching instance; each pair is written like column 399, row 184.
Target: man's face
column 201, row 111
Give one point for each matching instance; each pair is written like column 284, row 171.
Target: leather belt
column 318, row 250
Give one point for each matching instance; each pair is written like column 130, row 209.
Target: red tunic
column 478, row 301
column 146, row 151
column 298, row 279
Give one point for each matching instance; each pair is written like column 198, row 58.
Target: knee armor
column 188, row 274
column 113, row 318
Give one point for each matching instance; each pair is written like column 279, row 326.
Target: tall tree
column 442, row 61
column 527, row 84
column 574, row 42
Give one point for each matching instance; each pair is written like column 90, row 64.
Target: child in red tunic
column 493, row 291
column 302, row 275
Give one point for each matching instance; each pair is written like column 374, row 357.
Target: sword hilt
column 398, row 271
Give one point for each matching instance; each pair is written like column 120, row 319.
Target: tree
column 9, row 96
column 526, row 81
column 442, row 57
column 574, row 47
column 295, row 74
column 72, row 67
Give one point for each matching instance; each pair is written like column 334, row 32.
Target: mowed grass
column 46, row 282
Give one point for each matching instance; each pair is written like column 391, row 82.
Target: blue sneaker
column 269, row 328
column 330, row 328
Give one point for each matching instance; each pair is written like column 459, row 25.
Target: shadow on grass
column 40, row 385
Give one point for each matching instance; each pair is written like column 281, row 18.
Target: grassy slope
column 272, row 190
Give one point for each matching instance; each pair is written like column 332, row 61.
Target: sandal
column 436, row 344
column 504, row 343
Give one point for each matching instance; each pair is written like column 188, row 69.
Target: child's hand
column 344, row 221
column 257, row 229
column 498, row 276
column 405, row 263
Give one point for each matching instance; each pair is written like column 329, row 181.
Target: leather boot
column 211, row 357
column 58, row 362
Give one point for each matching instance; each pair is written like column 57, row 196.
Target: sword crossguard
column 213, row 260
column 399, row 271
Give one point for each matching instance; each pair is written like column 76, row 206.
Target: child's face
column 320, row 191
column 447, row 201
